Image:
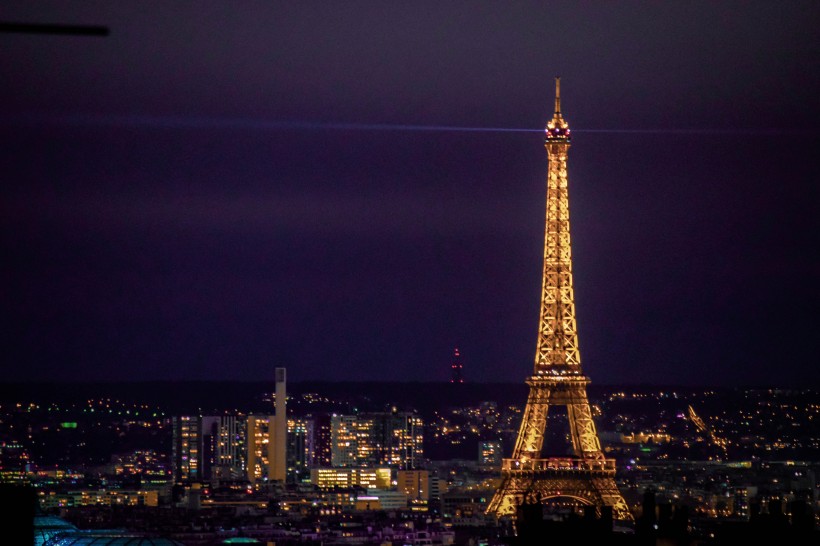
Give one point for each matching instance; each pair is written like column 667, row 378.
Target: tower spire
column 456, row 368
column 557, row 127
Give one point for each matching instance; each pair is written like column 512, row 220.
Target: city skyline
column 210, row 194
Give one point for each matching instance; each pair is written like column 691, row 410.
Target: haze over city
column 211, row 190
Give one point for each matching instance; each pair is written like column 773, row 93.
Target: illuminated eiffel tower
column 587, row 477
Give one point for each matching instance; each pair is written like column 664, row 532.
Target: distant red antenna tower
column 456, row 368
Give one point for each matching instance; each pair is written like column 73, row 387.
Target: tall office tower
column 394, row 439
column 456, row 368
column 224, row 447
column 280, row 429
column 186, row 448
column 344, row 446
column 403, row 439
column 260, row 449
column 298, row 450
column 320, row 440
column 586, row 477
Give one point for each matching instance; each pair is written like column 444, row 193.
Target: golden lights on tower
column 587, row 477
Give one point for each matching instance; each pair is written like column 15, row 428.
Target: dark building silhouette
column 18, row 504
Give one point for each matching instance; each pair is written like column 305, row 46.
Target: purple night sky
column 192, row 195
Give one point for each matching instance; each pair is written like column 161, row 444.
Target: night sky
column 217, row 189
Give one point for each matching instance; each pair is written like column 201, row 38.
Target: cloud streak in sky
column 182, row 122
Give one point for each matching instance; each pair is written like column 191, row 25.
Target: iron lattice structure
column 587, row 476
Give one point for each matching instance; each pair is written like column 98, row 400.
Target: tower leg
column 531, row 434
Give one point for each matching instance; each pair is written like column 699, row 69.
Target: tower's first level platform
column 558, row 465
column 587, row 481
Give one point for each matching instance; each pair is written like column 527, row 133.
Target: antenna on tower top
column 557, row 128
column 456, row 368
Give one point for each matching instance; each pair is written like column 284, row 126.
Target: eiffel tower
column 587, row 477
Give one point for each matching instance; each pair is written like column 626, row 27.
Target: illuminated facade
column 344, row 433
column 260, row 448
column 586, row 477
column 402, row 438
column 186, row 451
column 209, row 448
column 414, row 483
column 343, row 478
column 224, row 447
column 489, row 454
column 320, row 444
column 393, row 439
column 298, row 450
column 98, row 497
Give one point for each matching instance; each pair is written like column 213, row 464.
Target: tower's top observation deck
column 557, row 127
